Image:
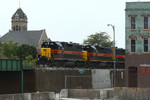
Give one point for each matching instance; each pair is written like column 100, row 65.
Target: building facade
column 19, row 21
column 20, row 34
column 137, row 36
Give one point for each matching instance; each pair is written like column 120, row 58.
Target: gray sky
column 69, row 20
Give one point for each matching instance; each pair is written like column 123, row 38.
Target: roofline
column 41, row 36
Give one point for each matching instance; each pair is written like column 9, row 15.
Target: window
column 19, row 28
column 145, row 45
column 133, row 45
column 133, row 24
column 16, row 27
column 145, row 20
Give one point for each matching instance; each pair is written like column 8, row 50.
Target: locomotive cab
column 89, row 48
column 55, row 46
column 45, row 50
column 45, row 53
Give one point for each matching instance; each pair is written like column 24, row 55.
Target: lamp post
column 114, row 78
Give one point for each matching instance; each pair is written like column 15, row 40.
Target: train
column 74, row 55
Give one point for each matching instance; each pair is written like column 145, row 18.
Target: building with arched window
column 20, row 34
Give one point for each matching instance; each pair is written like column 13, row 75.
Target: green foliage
column 9, row 49
column 25, row 50
column 101, row 39
column 13, row 50
column 29, row 61
column 29, row 58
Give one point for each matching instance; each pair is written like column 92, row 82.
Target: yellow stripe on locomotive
column 46, row 52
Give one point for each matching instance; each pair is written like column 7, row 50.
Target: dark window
column 133, row 25
column 16, row 27
column 145, row 22
column 19, row 28
column 133, row 45
column 145, row 44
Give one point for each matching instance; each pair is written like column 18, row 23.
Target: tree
column 14, row 50
column 9, row 49
column 101, row 39
column 0, row 48
column 25, row 50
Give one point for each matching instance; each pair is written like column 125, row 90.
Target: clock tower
column 19, row 21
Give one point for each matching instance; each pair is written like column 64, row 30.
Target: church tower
column 19, row 21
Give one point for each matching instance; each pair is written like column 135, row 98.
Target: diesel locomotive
column 66, row 54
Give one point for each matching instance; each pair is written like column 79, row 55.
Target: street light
column 114, row 78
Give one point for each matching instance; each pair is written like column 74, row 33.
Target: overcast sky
column 69, row 20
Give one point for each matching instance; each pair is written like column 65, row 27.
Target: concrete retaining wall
column 29, row 96
column 54, row 79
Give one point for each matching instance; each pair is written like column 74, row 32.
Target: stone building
column 19, row 21
column 20, row 34
column 137, row 35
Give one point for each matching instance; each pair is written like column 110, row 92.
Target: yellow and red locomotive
column 66, row 54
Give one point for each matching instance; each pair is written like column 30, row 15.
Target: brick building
column 137, row 35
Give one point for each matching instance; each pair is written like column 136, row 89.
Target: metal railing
column 16, row 65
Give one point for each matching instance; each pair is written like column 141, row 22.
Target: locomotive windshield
column 55, row 45
column 89, row 48
column 45, row 45
column 59, row 44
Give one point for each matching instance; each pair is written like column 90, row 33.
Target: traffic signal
column 112, row 53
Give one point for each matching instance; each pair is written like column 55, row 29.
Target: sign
column 144, row 65
column 81, row 71
column 145, row 70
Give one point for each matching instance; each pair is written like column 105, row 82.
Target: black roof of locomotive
column 71, row 46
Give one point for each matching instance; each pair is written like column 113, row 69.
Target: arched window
column 16, row 27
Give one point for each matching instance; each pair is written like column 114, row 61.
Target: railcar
column 66, row 54
column 103, row 57
column 61, row 54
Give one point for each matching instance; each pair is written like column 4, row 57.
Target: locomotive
column 66, row 54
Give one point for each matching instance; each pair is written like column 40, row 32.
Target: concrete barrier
column 130, row 93
column 80, row 93
column 64, row 93
column 108, row 94
column 29, row 96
